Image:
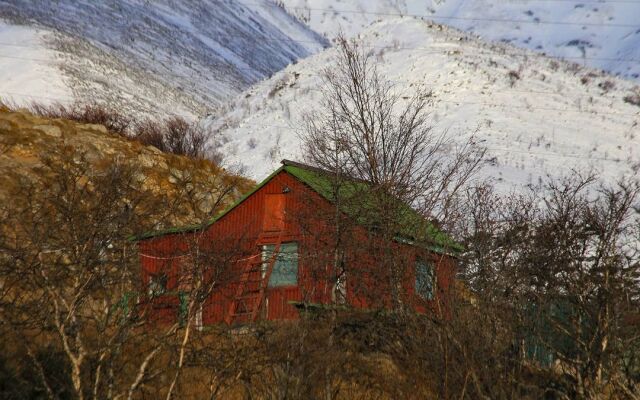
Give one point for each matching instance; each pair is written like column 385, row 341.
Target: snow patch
column 28, row 68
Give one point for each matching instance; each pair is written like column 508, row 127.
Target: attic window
column 158, row 285
column 425, row 280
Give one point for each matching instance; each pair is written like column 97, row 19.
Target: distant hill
column 599, row 34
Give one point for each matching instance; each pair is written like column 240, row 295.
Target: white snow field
column 28, row 68
column 159, row 57
column 535, row 115
column 598, row 33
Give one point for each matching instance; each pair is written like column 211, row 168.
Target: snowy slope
column 27, row 67
column 183, row 56
column 601, row 34
column 350, row 17
column 554, row 117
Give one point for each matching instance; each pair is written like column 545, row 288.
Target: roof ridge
column 290, row 163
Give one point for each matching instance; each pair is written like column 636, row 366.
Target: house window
column 285, row 268
column 158, row 285
column 425, row 280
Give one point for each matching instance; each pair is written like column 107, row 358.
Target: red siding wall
column 283, row 208
column 162, row 255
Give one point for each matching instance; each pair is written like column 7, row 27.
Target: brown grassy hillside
column 71, row 196
column 30, row 145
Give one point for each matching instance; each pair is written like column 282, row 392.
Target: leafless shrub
column 586, row 78
column 175, row 135
column 633, row 98
column 88, row 113
column 606, row 85
column 513, row 76
column 549, row 268
column 573, row 67
column 150, row 133
column 74, row 312
column 185, row 138
column 277, row 87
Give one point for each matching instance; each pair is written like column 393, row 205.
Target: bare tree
column 70, row 276
column 367, row 130
column 391, row 175
column 66, row 261
column 558, row 271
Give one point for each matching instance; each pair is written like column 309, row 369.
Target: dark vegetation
column 113, row 120
column 513, row 76
column 633, row 98
column 178, row 136
column 606, row 85
column 546, row 307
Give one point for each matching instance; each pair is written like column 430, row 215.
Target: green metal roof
column 415, row 229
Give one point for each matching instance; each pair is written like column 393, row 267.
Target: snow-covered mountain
column 156, row 57
column 535, row 115
column 195, row 57
column 598, row 33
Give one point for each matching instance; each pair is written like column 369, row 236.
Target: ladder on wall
column 252, row 288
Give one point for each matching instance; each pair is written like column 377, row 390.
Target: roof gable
column 195, row 228
column 416, row 230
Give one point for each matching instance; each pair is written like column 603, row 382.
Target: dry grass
column 633, row 98
column 177, row 136
column 90, row 113
column 173, row 135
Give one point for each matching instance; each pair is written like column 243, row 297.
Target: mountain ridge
column 599, row 34
column 184, row 58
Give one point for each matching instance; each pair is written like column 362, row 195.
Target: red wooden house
column 276, row 250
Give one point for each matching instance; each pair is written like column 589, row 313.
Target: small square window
column 285, row 268
column 158, row 285
column 425, row 280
